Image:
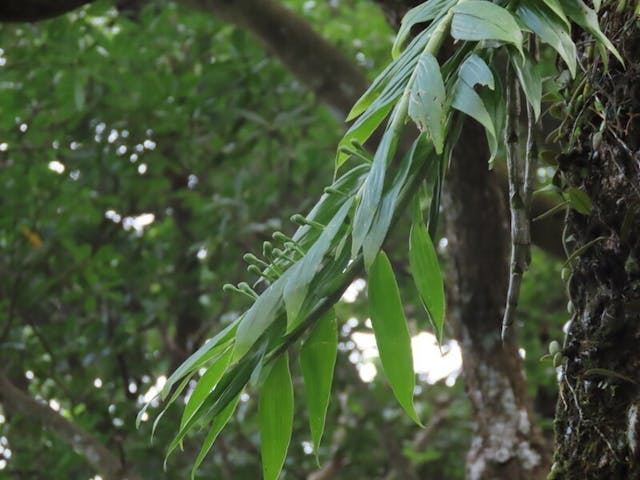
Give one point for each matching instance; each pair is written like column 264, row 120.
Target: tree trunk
column 505, row 443
column 597, row 424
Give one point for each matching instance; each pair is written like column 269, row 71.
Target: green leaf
column 477, row 20
column 173, row 398
column 304, row 271
column 493, row 101
column 467, row 100
column 427, row 98
column 324, row 210
column 317, row 360
column 579, row 200
column 391, row 332
column 217, row 425
column 550, row 29
column 588, row 19
column 362, row 129
column 420, row 14
column 554, row 5
column 419, row 151
column 201, row 356
column 372, row 191
column 275, row 410
column 380, row 98
column 226, row 390
column 437, row 182
column 205, row 385
column 394, row 75
column 425, row 270
column 475, row 71
column 259, row 317
column 529, row 77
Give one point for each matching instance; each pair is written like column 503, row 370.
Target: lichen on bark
column 599, row 389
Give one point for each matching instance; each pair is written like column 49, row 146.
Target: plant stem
column 518, row 193
column 352, row 271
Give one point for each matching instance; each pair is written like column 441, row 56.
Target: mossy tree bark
column 597, row 419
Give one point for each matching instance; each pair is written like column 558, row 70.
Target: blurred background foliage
column 140, row 157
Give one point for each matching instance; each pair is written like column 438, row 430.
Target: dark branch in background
column 15, row 401
column 317, row 63
column 35, row 10
column 394, row 10
column 12, row 11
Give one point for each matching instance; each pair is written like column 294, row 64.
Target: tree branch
column 317, row 63
column 94, row 452
column 35, row 10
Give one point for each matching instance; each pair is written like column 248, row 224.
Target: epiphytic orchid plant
column 492, row 76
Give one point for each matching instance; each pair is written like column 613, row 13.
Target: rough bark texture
column 598, row 423
column 15, row 401
column 505, row 442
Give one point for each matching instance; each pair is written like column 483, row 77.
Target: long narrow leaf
column 404, row 61
column 372, row 191
column 588, row 19
column 550, row 29
column 422, row 13
column 259, row 317
column 391, row 332
column 217, row 425
column 229, row 386
column 205, row 385
column 275, row 410
column 317, row 360
column 556, row 7
column 382, row 220
column 168, row 403
column 201, row 356
column 303, row 272
column 425, row 270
